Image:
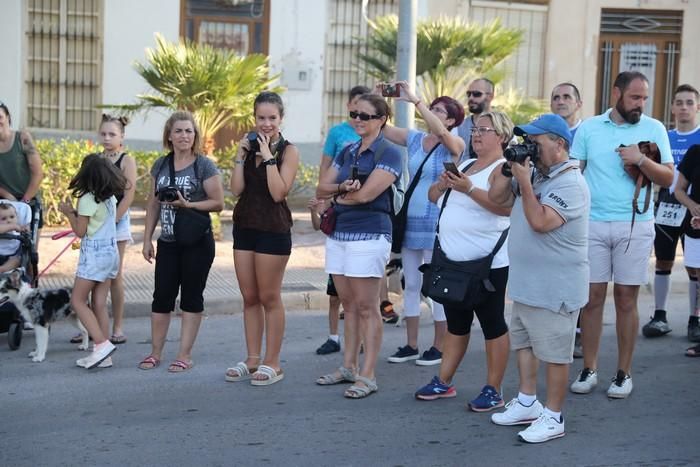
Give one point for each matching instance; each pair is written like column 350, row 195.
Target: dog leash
column 58, row 236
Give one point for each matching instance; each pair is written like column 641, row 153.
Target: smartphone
column 451, row 167
column 355, row 173
column 391, row 90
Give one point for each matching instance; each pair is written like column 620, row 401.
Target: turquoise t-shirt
column 612, row 190
column 339, row 136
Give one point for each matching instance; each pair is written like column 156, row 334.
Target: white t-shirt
column 467, row 230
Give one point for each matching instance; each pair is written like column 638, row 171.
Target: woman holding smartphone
column 428, row 152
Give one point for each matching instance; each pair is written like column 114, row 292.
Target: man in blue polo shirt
column 618, row 250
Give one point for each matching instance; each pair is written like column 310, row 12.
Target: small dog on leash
column 41, row 308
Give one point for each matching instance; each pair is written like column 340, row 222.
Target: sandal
column 117, row 339
column 343, row 375
column 242, row 372
column 179, row 366
column 693, row 351
column 360, row 392
column 149, row 363
column 271, row 376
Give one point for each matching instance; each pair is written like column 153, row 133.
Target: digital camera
column 391, row 90
column 253, row 141
column 167, row 194
column 520, row 152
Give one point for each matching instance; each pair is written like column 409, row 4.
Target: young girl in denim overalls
column 95, row 184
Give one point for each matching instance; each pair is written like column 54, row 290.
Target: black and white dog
column 39, row 307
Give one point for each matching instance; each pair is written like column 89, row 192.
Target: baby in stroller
column 10, row 247
column 16, row 250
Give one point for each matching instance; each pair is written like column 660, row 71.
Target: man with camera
column 621, row 230
column 547, row 251
column 479, row 97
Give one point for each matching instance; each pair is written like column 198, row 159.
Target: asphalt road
column 55, row 414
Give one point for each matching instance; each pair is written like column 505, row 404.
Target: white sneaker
column 106, row 363
column 621, row 386
column 97, row 356
column 517, row 413
column 543, row 429
column 586, row 380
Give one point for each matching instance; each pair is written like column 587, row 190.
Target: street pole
column 406, row 58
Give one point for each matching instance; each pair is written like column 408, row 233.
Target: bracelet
column 416, row 103
column 641, row 161
column 339, row 185
column 469, row 191
column 240, row 161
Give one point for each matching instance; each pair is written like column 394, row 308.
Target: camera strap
column 171, row 167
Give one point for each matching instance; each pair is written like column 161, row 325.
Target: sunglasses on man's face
column 363, row 116
column 474, row 93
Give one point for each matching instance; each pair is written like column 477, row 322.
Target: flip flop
column 179, row 366
column 114, row 339
column 271, row 376
column 693, row 351
column 150, row 360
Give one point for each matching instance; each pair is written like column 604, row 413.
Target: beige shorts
column 611, row 260
column 550, row 334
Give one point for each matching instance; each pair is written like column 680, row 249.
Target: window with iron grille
column 343, row 70
column 64, row 69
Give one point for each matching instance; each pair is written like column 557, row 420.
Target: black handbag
column 398, row 222
column 465, row 283
column 190, row 225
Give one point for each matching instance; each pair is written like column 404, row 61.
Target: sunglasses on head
column 474, row 93
column 363, row 116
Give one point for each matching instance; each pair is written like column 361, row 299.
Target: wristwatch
column 272, row 161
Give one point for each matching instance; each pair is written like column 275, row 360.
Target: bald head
column 479, row 96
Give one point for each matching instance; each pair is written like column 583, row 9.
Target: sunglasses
column 474, row 93
column 363, row 116
column 439, row 110
column 479, row 130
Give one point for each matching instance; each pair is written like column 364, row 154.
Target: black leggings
column 489, row 311
column 183, row 269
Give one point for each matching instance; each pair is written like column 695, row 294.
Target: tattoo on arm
column 27, row 143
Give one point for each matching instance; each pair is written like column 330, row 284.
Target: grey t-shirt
column 550, row 270
column 190, row 185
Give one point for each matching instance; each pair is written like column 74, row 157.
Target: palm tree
column 216, row 85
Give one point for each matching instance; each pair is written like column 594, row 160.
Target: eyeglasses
column 363, row 116
column 474, row 93
column 439, row 110
column 479, row 130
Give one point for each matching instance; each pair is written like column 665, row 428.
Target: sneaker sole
column 654, row 333
column 94, row 365
column 583, row 391
column 487, row 409
column 560, row 435
column 519, row 422
column 447, row 395
column 618, row 396
column 402, row 359
column 420, row 362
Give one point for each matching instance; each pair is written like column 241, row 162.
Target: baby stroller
column 11, row 321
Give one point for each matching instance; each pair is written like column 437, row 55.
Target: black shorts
column 490, row 311
column 269, row 243
column 184, row 270
column 330, row 287
column 666, row 241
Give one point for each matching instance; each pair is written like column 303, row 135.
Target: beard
column 630, row 116
column 476, row 107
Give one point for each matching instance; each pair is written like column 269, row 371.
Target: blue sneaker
column 489, row 399
column 430, row 357
column 435, row 389
column 404, row 354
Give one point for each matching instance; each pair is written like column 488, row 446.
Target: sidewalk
column 303, row 287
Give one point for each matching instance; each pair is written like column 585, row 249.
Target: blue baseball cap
column 547, row 123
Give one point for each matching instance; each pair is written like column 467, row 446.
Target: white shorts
column 691, row 252
column 358, row 258
column 609, row 257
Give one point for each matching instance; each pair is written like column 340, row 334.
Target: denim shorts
column 99, row 259
column 124, row 229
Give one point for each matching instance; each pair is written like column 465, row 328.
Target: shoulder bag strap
column 171, row 168
column 416, row 178
column 444, row 199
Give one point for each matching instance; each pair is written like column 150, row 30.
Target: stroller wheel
column 14, row 335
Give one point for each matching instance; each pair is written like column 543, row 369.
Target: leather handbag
column 328, row 220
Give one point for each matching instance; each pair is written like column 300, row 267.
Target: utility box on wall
column 297, row 78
